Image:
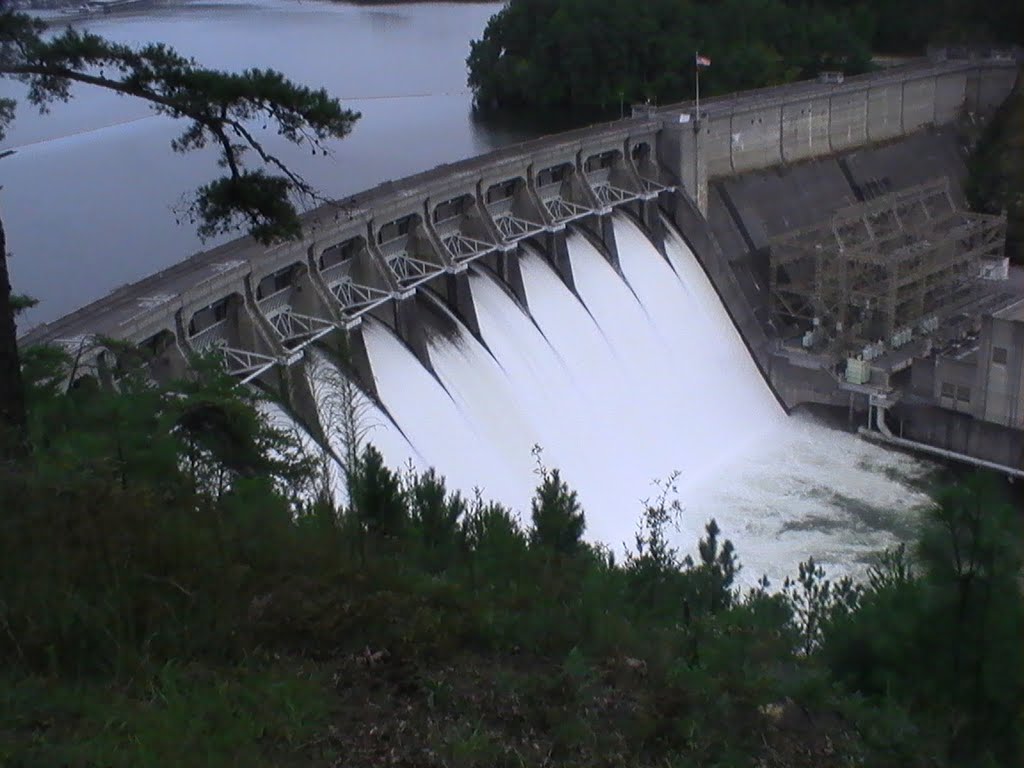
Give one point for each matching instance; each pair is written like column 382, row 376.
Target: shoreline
column 58, row 18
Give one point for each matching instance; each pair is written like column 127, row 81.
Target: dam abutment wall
column 803, row 121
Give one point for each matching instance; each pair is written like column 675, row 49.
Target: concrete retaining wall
column 713, row 149
column 805, row 130
column 848, row 121
column 960, row 433
column 918, row 104
column 989, row 85
column 754, row 138
column 950, row 96
column 885, row 112
column 810, row 120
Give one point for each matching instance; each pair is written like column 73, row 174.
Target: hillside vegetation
column 177, row 591
column 590, row 55
column 997, row 170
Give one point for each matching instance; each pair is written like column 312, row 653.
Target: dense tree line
column 591, row 54
column 178, row 588
column 996, row 181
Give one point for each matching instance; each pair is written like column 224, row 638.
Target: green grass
column 182, row 715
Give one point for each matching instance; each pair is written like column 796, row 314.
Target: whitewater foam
column 638, row 377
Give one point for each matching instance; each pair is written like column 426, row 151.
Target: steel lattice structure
column 881, row 265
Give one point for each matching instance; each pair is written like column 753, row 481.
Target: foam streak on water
column 639, row 376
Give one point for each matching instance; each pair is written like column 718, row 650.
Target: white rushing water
column 629, row 383
column 278, row 418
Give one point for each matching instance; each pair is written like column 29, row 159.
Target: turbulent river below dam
column 638, row 378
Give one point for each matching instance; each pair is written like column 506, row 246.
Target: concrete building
column 968, row 396
column 999, row 383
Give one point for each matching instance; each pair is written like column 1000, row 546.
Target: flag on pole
column 703, row 61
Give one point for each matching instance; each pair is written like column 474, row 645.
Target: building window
column 963, row 394
column 948, row 390
column 999, row 355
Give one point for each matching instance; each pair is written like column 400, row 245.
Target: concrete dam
column 605, row 294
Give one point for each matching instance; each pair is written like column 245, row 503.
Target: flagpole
column 696, row 67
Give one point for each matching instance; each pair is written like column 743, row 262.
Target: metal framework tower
column 880, row 266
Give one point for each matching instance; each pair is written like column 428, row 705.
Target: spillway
column 631, row 379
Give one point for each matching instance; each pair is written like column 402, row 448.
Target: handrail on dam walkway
column 369, row 252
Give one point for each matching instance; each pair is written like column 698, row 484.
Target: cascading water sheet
column 625, row 384
column 484, row 396
column 545, row 386
column 278, row 418
column 430, row 418
column 346, row 413
column 795, row 488
column 696, row 397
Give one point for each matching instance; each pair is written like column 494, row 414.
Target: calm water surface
column 88, row 196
